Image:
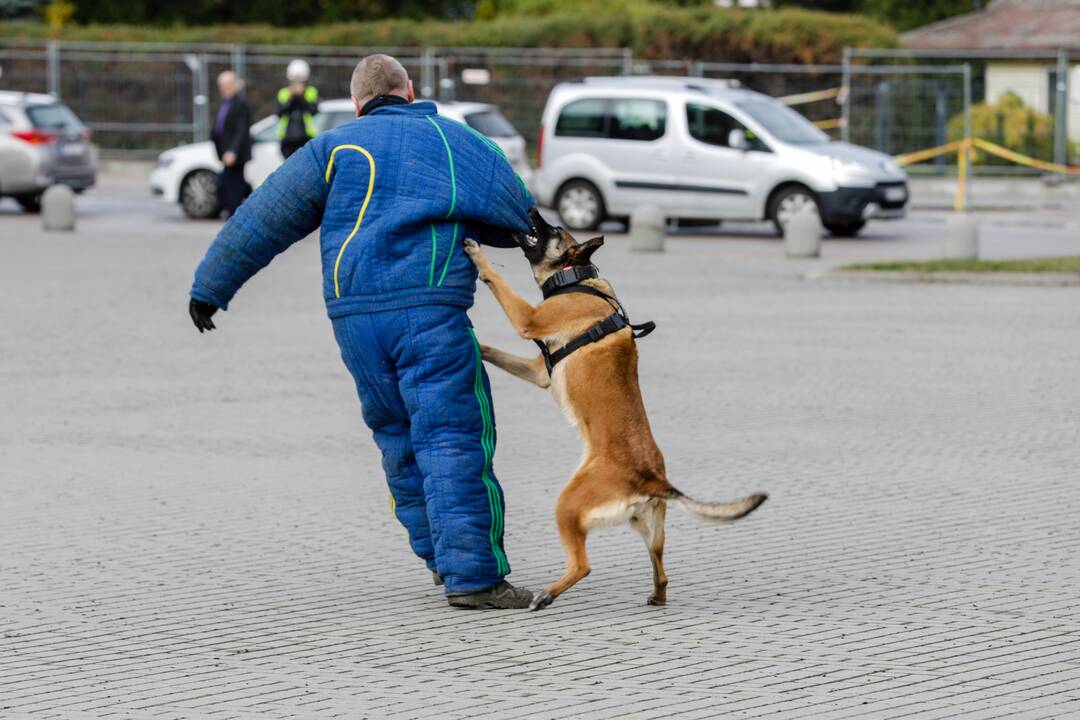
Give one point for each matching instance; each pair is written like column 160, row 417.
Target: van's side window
column 638, row 119
column 583, row 118
column 713, row 126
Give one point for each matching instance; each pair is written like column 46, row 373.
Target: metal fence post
column 883, row 116
column 444, row 82
column 238, row 62
column 1061, row 108
column 52, row 60
column 627, row 61
column 941, row 122
column 200, row 101
column 845, row 91
column 427, row 72
column 203, row 98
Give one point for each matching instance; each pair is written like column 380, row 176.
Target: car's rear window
column 637, row 119
column 618, row 119
column 52, row 117
column 490, row 123
column 583, row 118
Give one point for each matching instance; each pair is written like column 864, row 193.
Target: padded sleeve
column 284, row 209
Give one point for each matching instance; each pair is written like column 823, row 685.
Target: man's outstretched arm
column 493, row 199
column 285, row 208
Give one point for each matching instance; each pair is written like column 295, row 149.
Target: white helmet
column 298, row 71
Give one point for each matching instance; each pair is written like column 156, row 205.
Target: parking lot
column 197, row 526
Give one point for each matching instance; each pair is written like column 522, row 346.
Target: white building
column 1019, row 27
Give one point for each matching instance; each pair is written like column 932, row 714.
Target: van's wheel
column 199, row 195
column 30, row 203
column 788, row 201
column 841, row 228
column 580, row 205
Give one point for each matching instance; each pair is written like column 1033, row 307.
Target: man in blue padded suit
column 396, row 192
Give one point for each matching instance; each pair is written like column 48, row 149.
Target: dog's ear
column 581, row 254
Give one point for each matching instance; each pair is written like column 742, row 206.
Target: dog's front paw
column 472, row 249
column 542, row 600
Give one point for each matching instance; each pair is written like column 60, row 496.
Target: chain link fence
column 141, row 98
column 898, row 109
column 907, row 100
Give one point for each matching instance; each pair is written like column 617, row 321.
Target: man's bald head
column 379, row 75
column 228, row 84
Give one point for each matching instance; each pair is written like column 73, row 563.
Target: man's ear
column 356, row 104
column 410, row 95
column 582, row 254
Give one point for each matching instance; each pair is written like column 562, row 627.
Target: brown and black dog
column 621, row 477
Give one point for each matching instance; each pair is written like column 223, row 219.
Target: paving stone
column 197, row 526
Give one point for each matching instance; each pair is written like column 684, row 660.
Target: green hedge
column 1010, row 124
column 700, row 33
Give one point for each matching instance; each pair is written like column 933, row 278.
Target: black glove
column 200, row 314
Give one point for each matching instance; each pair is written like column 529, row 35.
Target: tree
column 285, row 13
column 18, row 8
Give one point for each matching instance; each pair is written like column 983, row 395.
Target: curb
column 950, row 278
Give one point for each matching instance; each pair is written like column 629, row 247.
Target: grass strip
column 1063, row 264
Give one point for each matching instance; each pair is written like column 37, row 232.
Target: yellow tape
column 809, row 97
column 919, row 156
column 1024, row 159
column 968, row 143
column 829, row 124
column 963, row 149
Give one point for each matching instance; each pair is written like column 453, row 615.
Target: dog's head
column 550, row 249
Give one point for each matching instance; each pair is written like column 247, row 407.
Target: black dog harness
column 569, row 280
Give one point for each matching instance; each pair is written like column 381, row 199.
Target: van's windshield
column 782, row 122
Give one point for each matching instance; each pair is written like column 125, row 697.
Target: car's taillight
column 540, row 147
column 34, row 137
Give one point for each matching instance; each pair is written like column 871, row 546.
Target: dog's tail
column 716, row 512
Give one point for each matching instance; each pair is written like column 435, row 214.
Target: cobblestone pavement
column 197, row 526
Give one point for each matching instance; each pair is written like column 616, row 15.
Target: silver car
column 702, row 150
column 42, row 143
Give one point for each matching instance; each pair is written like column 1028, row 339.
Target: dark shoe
column 437, row 578
column 503, row 596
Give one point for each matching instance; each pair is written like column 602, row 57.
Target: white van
column 701, row 150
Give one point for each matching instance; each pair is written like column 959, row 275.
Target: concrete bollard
column 58, row 208
column 648, row 229
column 961, row 237
column 802, row 234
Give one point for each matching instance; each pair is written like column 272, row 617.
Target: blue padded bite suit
column 395, row 193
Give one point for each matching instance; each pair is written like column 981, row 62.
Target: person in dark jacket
column 232, row 139
column 297, row 105
column 395, row 193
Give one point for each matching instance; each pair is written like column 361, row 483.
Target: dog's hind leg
column 533, row 371
column 572, row 531
column 650, row 523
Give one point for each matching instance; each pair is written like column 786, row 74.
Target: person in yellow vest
column 297, row 104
